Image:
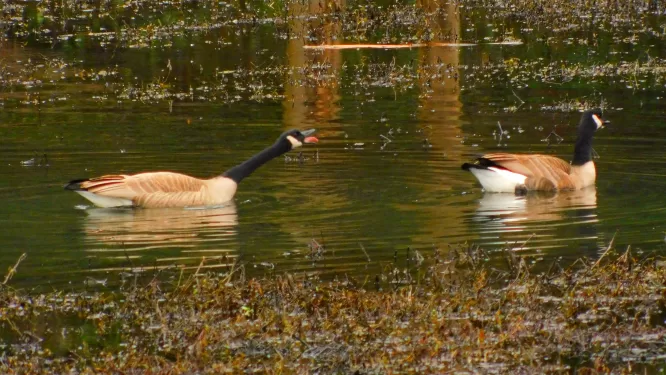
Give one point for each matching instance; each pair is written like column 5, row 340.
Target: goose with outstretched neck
column 170, row 189
column 520, row 173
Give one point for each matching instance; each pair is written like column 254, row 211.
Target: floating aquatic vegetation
column 140, row 23
column 144, row 23
column 565, row 16
column 37, row 161
column 46, row 81
column 183, row 25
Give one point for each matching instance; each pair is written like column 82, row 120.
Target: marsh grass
column 454, row 313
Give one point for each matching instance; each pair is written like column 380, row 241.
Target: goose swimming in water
column 169, row 189
column 519, row 173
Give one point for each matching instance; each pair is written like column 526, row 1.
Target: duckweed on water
column 48, row 82
column 454, row 313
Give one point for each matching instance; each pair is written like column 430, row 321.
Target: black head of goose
column 170, row 189
column 519, row 173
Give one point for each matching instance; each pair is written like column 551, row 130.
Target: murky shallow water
column 353, row 191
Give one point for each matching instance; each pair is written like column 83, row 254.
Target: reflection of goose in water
column 535, row 207
column 166, row 236
column 549, row 219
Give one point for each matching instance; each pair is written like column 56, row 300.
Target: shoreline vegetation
column 451, row 313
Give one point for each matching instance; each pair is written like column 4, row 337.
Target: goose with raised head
column 169, row 189
column 519, row 173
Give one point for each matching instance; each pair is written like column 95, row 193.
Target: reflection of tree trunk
column 294, row 109
column 308, row 104
column 440, row 108
column 304, row 104
column 246, row 49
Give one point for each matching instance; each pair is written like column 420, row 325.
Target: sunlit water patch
column 383, row 187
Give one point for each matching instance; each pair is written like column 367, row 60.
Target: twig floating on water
column 403, row 46
column 364, row 252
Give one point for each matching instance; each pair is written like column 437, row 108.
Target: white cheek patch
column 598, row 121
column 294, row 142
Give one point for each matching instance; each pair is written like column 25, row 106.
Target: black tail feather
column 75, row 184
column 480, row 163
column 467, row 166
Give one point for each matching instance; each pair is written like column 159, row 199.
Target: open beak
column 599, row 121
column 308, row 138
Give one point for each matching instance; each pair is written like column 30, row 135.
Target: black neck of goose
column 583, row 149
column 239, row 172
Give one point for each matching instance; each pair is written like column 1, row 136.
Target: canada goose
column 169, row 189
column 519, row 173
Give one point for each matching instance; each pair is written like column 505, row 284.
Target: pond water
column 394, row 127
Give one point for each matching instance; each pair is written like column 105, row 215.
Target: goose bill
column 308, row 136
column 308, row 132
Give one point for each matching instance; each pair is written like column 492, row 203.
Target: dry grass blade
column 610, row 246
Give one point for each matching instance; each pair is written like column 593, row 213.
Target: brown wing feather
column 544, row 172
column 540, row 184
column 530, row 165
column 134, row 186
column 173, row 199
